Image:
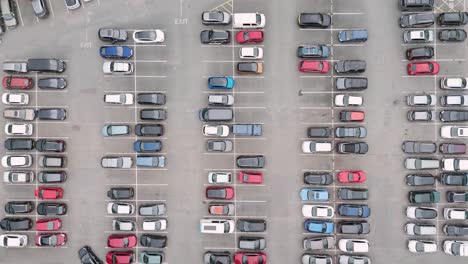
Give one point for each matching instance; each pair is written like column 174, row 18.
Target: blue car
column 352, row 36
column 151, row 161
column 147, row 146
column 116, row 52
column 309, row 194
column 354, row 210
column 317, row 226
column 220, row 83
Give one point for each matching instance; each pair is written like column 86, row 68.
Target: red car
column 122, row 241
column 423, row 68
column 50, row 240
column 249, row 36
column 13, row 82
column 223, row 193
column 120, row 257
column 314, row 66
column 351, row 176
column 48, row 224
column 48, row 193
column 250, row 258
column 250, row 177
column 352, row 116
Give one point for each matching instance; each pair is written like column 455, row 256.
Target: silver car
column 152, row 209
column 117, row 162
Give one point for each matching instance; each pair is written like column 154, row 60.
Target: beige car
column 20, row 114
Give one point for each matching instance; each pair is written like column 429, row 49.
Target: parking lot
column 285, row 101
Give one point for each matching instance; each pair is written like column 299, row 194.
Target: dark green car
column 420, row 197
column 151, row 257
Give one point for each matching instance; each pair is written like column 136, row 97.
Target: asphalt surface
column 283, row 100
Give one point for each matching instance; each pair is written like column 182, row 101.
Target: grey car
column 216, row 18
column 318, row 243
column 418, row 147
column 251, row 225
column 318, row 178
column 354, row 227
column 15, row 67
column 350, row 66
column 319, row 132
column 116, row 162
column 316, row 259
column 456, row 230
column 153, row 114
column 417, row 20
column 453, row 116
column 345, row 259
column 252, row 243
column 351, row 132
column 245, row 161
column 420, row 179
column 115, row 130
column 353, row 194
column 112, row 35
column 152, row 209
column 421, row 115
column 40, row 8
column 421, row 163
column 151, row 98
column 52, row 83
column 351, row 83
column 219, row 145
column 52, row 114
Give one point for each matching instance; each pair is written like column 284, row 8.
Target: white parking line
column 225, row 92
column 137, row 184
column 19, row 13
column 155, row 61
column 51, row 8
column 135, row 76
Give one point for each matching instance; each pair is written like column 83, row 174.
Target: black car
column 52, row 83
column 40, row 8
column 453, row 18
column 453, row 116
column 417, row 20
column 454, row 179
column 250, row 161
column 52, row 176
column 153, row 114
column 19, row 144
column 156, row 241
column 52, row 114
column 420, row 53
column 46, row 65
column 87, row 256
column 351, row 227
column 217, row 258
column 318, row 178
column 314, row 20
column 351, row 83
column 151, row 98
column 452, row 35
column 51, row 209
column 215, row 36
column 457, row 197
column 120, row 193
column 353, row 194
column 19, row 207
column 251, row 225
column 352, row 148
column 351, row 132
column 350, row 66
column 15, row 224
column 418, row 147
column 318, row 132
column 456, row 230
column 49, row 145
column 155, row 130
column 416, row 5
column 112, row 35
column 420, row 179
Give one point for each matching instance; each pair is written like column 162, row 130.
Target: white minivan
column 216, row 226
column 249, row 20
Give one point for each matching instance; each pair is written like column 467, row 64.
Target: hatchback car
column 452, row 35
column 414, row 212
column 251, row 225
column 317, row 211
column 216, row 18
column 452, row 148
column 453, row 18
column 422, row 246
column 349, row 176
column 420, row 53
column 116, row 52
column 151, row 257
column 116, row 162
column 151, row 98
column 148, row 36
column 220, row 82
column 153, row 114
column 142, row 146
column 120, row 193
column 351, row 132
column 318, row 178
column 420, row 179
column 251, row 53
column 222, row 193
column 40, row 8
column 252, row 243
column 18, row 177
column 251, row 36
column 319, row 132
column 352, row 147
column 310, row 194
column 313, row 51
column 256, row 161
column 353, row 194
column 345, row 100
column 156, row 241
column 354, row 210
column 455, row 83
column 120, row 257
column 15, row 224
column 351, row 116
column 454, row 100
column 350, row 66
column 123, row 225
column 212, row 36
column 112, row 35
column 17, row 83
column 48, row 193
column 13, row 241
column 353, row 227
column 421, row 115
column 314, row 20
column 52, row 224
column 422, row 197
column 51, row 176
column 15, row 98
column 155, row 130
column 354, row 245
column 250, row 177
column 72, row 4
column 52, row 209
column 52, row 83
column 19, row 207
column 456, row 197
column 121, row 241
column 120, row 208
column 87, row 256
column 316, row 147
column 319, row 226
column 417, row 20
column 423, row 68
column 17, row 161
column 117, row 68
column 318, row 243
column 313, row 66
column 221, row 208
column 249, row 67
column 351, row 83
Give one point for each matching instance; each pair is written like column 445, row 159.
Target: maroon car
column 452, row 148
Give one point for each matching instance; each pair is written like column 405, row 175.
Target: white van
column 249, row 20
column 216, row 226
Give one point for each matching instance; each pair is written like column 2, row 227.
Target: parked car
column 119, row 98
column 221, row 208
column 51, row 240
column 418, row 147
column 120, row 208
column 151, row 98
column 18, row 129
column 222, row 193
column 250, row 177
column 344, row 100
column 418, row 36
column 13, row 144
column 15, row 224
column 354, row 245
column 8, row 9
column 156, row 241
column 149, row 257
column 357, row 176
column 351, row 116
column 346, row 259
column 353, row 194
column 153, row 114
column 216, row 18
column 422, row 246
column 421, row 163
column 453, row 116
column 351, row 83
column 414, row 212
column 17, row 161
column 318, row 243
column 251, row 53
column 453, row 131
column 15, row 67
column 87, row 256
column 220, row 100
column 319, row 132
column 156, row 209
column 453, row 18
column 52, row 209
column 420, row 180
column 251, row 225
column 418, row 229
column 155, row 224
column 309, row 258
column 52, row 177
column 319, row 226
column 117, row 68
column 318, row 178
column 355, row 35
column 51, row 114
column 354, row 210
column 452, row 148
column 249, row 257
column 211, row 36
column 457, row 197
column 50, row 145
column 455, row 213
column 116, row 162
column 351, row 132
column 313, row 51
column 18, row 177
column 19, row 207
column 316, row 147
column 423, row 68
column 123, row 225
column 453, row 83
column 13, row 241
column 350, row 66
column 354, row 227
column 254, row 161
column 219, row 177
column 454, row 100
column 456, row 248
column 247, row 129
column 154, row 130
column 142, row 146
column 120, row 193
column 420, row 53
column 220, row 82
column 219, row 145
column 249, row 67
column 250, row 36
column 452, row 35
column 352, row 148
column 15, row 98
column 422, row 197
column 20, row 114
column 317, row 211
column 52, row 83
column 314, row 20
column 157, row 161
column 17, row 83
column 216, row 114
column 148, row 36
column 416, row 6
column 47, row 161
column 72, row 4
column 40, row 8
column 116, row 52
column 46, row 65
column 455, row 230
column 252, row 243
column 120, row 257
column 112, row 35
column 310, row 194
column 454, row 164
column 121, row 241
column 48, row 193
column 417, row 20
column 313, row 66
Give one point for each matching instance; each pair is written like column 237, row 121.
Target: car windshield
column 215, row 16
column 146, row 35
column 419, row 247
column 226, row 227
column 218, row 82
column 456, row 249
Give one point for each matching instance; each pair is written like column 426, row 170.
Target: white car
column 457, row 83
column 148, row 36
column 120, row 208
column 454, row 164
column 348, row 100
column 13, row 241
column 251, row 53
column 354, row 245
column 316, row 147
column 123, row 225
column 219, row 177
column 17, row 129
column 15, row 161
column 416, row 229
column 155, row 224
column 72, row 4
column 415, row 212
column 454, row 131
column 220, row 99
column 215, row 130
column 454, row 100
column 117, row 162
column 18, row 177
column 456, row 248
column 422, row 246
column 421, row 100
column 319, row 211
column 455, row 213
column 113, row 67
column 120, row 99
column 15, row 98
